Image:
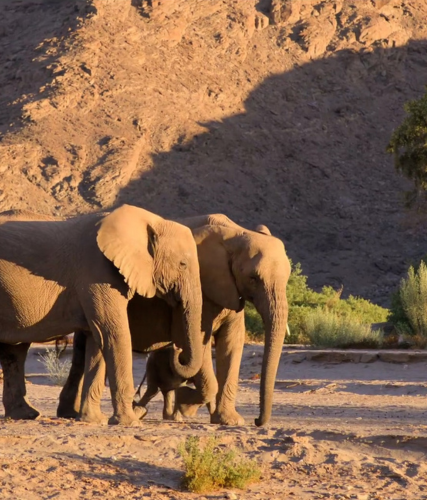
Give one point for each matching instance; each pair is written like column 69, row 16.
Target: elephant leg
column 12, row 359
column 93, row 384
column 70, row 396
column 106, row 313
column 229, row 341
column 150, row 393
column 188, row 399
column 170, row 409
column 152, row 377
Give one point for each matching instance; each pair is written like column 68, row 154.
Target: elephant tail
column 138, row 393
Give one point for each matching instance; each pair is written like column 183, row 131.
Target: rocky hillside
column 271, row 111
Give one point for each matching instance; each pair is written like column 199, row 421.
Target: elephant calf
column 160, row 377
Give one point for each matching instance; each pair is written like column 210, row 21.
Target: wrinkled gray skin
column 235, row 265
column 59, row 276
column 160, row 377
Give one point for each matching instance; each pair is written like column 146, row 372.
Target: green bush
column 412, row 306
column 397, row 314
column 212, row 468
column 303, row 301
column 253, row 323
column 328, row 329
column 408, row 144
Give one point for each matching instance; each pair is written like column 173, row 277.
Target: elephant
column 58, row 276
column 235, row 265
column 160, row 377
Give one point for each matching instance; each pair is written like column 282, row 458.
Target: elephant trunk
column 187, row 362
column 275, row 318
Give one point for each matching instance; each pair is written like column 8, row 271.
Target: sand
column 339, row 430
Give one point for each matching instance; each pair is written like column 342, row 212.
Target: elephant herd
column 130, row 280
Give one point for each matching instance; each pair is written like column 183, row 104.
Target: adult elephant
column 235, row 265
column 59, row 276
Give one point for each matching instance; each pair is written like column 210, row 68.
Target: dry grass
column 56, row 368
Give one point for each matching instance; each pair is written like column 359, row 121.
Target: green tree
column 408, row 144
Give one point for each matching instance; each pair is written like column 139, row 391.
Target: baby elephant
column 160, row 377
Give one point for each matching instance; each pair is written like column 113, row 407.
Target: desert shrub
column 328, row 329
column 253, row 323
column 413, row 300
column 211, row 468
column 57, row 369
column 408, row 144
column 303, row 301
column 355, row 309
column 397, row 314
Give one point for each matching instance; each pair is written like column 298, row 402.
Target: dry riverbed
column 343, row 427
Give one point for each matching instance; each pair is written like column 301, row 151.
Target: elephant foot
column 227, row 418
column 126, row 419
column 140, row 411
column 93, row 418
column 22, row 411
column 189, row 410
column 175, row 417
column 63, row 412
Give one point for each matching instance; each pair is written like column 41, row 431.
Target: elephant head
column 158, row 257
column 238, row 265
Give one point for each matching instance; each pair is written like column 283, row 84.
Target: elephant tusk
column 241, row 304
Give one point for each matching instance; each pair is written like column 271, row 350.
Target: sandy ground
column 339, row 430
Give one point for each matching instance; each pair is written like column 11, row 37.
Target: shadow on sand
column 307, row 158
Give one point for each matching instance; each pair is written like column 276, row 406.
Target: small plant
column 328, row 329
column 57, row 369
column 413, row 297
column 211, row 468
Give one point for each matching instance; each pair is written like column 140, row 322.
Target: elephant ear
column 263, row 229
column 218, row 283
column 127, row 239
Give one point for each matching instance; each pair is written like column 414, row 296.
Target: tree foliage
column 408, row 144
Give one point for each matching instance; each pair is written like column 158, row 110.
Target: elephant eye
column 183, row 264
column 253, row 279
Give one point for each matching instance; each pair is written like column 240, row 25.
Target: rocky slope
column 274, row 112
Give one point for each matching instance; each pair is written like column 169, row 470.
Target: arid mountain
column 273, row 112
